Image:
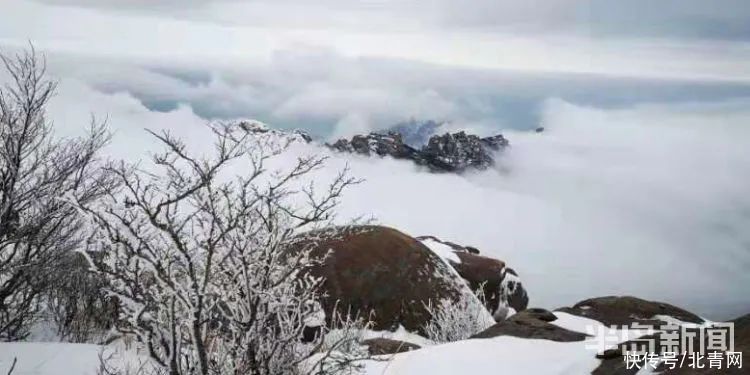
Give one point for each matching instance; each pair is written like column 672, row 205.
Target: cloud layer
column 649, row 201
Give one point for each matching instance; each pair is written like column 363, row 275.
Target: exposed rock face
column 613, row 310
column 443, row 153
column 379, row 270
column 529, row 326
column 459, row 151
column 383, row 346
column 500, row 284
column 389, row 144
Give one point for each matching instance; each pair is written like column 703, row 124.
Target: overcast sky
column 341, row 64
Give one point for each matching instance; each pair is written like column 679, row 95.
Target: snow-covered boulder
column 500, row 284
column 380, row 270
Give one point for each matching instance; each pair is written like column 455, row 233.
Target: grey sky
column 722, row 19
column 338, row 63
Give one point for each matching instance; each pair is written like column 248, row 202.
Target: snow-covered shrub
column 340, row 348
column 78, row 306
column 38, row 228
column 194, row 251
column 457, row 320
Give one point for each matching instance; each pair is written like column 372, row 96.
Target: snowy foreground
column 477, row 356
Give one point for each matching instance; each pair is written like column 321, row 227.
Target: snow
column 491, row 356
column 442, row 250
column 575, row 323
column 400, row 334
column 475, row 356
column 508, row 354
column 49, row 358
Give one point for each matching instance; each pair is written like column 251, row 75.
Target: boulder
column 627, row 310
column 383, row 346
column 500, row 284
column 383, row 273
column 529, row 326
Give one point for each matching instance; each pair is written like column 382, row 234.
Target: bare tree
column 37, row 228
column 198, row 254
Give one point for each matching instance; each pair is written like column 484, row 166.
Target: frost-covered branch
column 37, row 226
column 453, row 321
column 195, row 250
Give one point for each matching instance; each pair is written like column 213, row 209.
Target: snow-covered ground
column 506, row 354
column 477, row 356
column 56, row 358
column 49, row 358
column 509, row 355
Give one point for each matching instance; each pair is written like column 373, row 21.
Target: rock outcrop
column 377, row 144
column 381, row 271
column 500, row 285
column 383, row 346
column 627, row 310
column 459, row 151
column 450, row 152
column 528, row 325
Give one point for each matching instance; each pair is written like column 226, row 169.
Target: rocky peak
column 450, row 152
column 459, row 151
column 389, row 144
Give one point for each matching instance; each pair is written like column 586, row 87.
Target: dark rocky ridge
column 532, row 324
column 627, row 310
column 450, row 152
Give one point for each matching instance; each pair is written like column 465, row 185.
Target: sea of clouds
column 648, row 200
